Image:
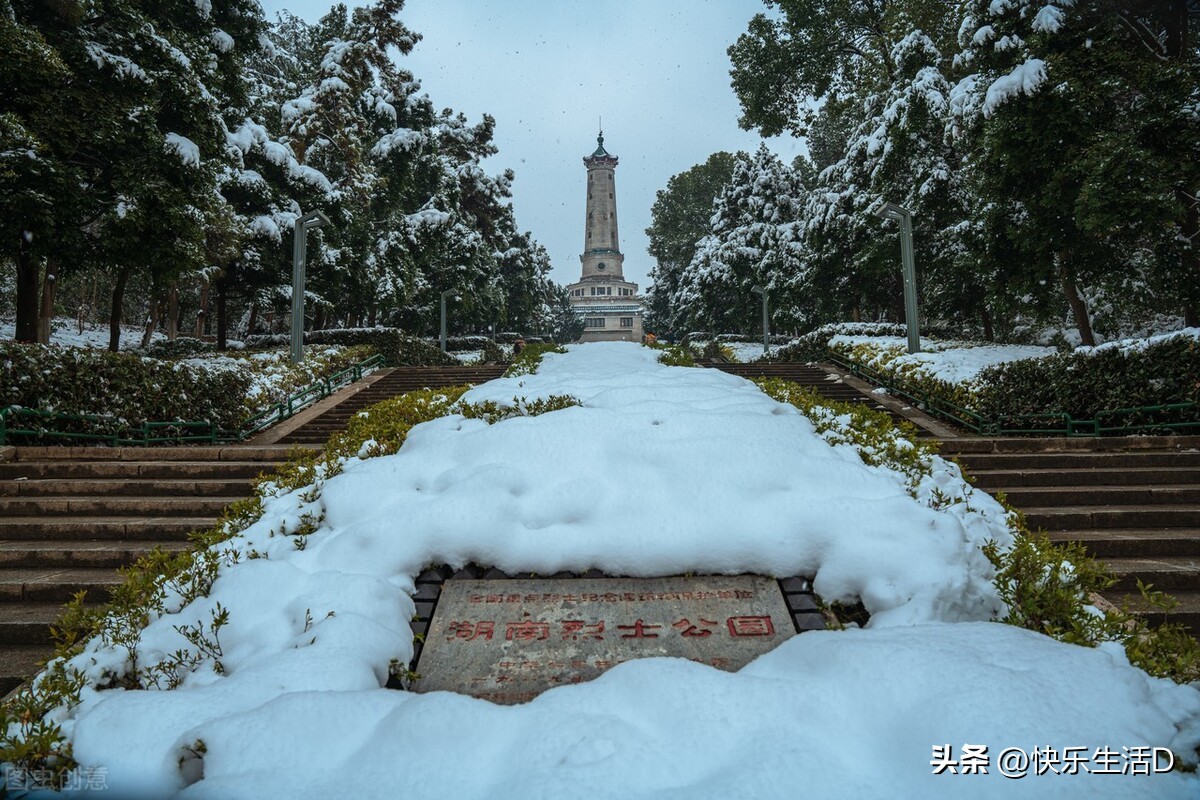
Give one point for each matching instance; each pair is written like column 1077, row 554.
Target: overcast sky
column 547, row 70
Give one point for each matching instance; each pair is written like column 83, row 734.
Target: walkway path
column 69, row 517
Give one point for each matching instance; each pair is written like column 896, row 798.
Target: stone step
column 27, row 623
column 1116, row 543
column 181, row 453
column 1165, row 573
column 1101, row 517
column 114, row 506
column 1075, row 461
column 111, row 528
column 1100, row 495
column 60, row 554
column 1130, row 476
column 171, row 470
column 1073, row 444
column 130, row 487
column 25, row 585
column 1186, row 611
column 19, row 663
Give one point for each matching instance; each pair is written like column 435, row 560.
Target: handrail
column 120, row 433
column 1051, row 423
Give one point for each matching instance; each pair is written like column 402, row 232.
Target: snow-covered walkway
column 660, row 471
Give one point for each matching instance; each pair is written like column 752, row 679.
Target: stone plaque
column 509, row 640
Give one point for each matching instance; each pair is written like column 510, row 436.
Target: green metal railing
column 1167, row 418
column 33, row 423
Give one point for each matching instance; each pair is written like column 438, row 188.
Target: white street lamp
column 312, row 219
column 444, row 295
column 766, row 320
column 904, row 217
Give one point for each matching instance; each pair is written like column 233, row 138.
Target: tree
column 753, row 240
column 1076, row 126
column 679, row 219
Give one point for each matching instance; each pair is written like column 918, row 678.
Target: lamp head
column 893, row 211
column 758, row 290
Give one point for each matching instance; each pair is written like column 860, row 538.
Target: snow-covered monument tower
column 609, row 304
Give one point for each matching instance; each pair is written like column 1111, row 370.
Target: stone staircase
column 829, row 384
column 1134, row 502
column 70, row 516
column 395, row 382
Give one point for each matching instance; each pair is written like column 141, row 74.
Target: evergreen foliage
column 173, row 145
column 1049, row 152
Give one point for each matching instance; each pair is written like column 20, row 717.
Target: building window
column 593, row 322
column 626, row 322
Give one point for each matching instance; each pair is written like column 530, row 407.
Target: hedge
column 1086, row 382
column 129, row 387
column 397, row 347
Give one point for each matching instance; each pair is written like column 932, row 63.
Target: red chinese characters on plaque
column 509, row 640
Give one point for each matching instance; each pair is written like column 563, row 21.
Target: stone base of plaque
column 509, row 639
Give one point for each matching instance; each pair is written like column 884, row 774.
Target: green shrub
column 397, row 348
column 489, row 349
column 1082, row 384
column 1085, row 383
column 180, row 347
column 527, row 361
column 129, row 388
column 676, row 355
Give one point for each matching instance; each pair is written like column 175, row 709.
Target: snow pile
column 662, row 470
column 953, row 362
column 1140, row 344
column 842, row 714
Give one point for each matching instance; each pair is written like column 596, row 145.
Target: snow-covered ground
column 953, row 362
column 468, row 356
column 662, row 470
column 65, row 332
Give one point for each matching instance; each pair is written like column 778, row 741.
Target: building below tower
column 608, row 304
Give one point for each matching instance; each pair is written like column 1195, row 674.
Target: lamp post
column 446, row 294
column 312, row 219
column 904, row 217
column 766, row 320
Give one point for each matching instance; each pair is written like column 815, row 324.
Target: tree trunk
column 221, row 321
column 855, row 315
column 46, row 313
column 114, row 314
column 203, row 312
column 371, row 319
column 156, row 313
column 1189, row 259
column 1078, row 307
column 252, row 323
column 172, row 312
column 989, row 333
column 319, row 318
column 27, row 295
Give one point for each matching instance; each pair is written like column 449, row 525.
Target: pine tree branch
column 1144, row 35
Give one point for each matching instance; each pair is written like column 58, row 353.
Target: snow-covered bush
column 398, row 348
column 488, row 349
column 1013, row 383
column 131, row 389
column 1153, row 372
column 180, row 347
